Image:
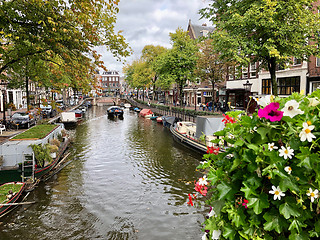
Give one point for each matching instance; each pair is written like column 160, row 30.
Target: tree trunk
column 27, row 93
column 272, row 71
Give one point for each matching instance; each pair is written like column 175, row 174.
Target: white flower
column 313, row 194
column 230, row 136
column 229, row 156
column 221, row 142
column 204, row 236
column 286, row 152
column 204, row 162
column 271, row 146
column 203, row 181
column 212, row 213
column 264, row 101
column 277, row 193
column 216, row 234
column 291, row 109
column 305, row 133
column 288, row 169
column 313, row 102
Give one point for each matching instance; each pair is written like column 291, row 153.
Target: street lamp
column 4, row 88
column 247, row 87
column 195, row 97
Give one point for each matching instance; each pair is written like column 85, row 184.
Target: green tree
column 150, row 54
column 177, row 65
column 270, row 32
column 64, row 33
column 210, row 65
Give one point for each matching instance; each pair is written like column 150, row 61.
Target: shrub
column 55, row 141
column 264, row 185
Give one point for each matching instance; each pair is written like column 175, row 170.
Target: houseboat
column 31, row 155
column 199, row 135
column 115, row 111
column 10, row 194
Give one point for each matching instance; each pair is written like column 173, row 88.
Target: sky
column 145, row 22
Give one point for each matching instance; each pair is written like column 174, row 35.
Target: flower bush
column 264, row 184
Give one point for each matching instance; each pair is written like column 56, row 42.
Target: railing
column 164, row 110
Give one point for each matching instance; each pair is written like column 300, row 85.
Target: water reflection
column 127, row 180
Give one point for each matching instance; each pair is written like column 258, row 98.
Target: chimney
column 204, row 24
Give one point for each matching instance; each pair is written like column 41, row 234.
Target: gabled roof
column 197, row 31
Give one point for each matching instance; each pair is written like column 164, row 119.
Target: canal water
column 127, row 179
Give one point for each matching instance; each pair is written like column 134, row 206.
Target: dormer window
column 204, row 33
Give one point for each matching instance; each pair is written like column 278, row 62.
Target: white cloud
column 146, row 22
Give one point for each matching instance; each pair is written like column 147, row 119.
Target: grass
column 37, row 132
column 4, row 190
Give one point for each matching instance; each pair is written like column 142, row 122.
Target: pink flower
column 271, row 112
column 245, row 202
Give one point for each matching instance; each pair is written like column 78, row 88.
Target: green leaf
column 225, row 190
column 254, row 147
column 263, row 132
column 258, row 204
column 217, row 206
column 229, row 232
column 248, row 190
column 299, row 236
column 286, row 183
column 235, row 164
column 274, row 221
column 288, row 210
column 296, row 224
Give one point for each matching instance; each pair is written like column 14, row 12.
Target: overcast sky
column 145, row 22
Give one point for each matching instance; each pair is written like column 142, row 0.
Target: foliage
column 41, row 154
column 177, row 65
column 53, row 148
column 264, row 185
column 211, row 66
column 36, row 132
column 53, row 42
column 55, row 142
column 4, row 190
column 270, row 32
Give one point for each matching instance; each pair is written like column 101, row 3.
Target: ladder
column 28, row 167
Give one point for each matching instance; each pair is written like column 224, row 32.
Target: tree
column 150, row 54
column 177, row 65
column 63, row 33
column 210, row 65
column 270, row 32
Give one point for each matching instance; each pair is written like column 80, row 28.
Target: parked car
column 23, row 119
column 46, row 111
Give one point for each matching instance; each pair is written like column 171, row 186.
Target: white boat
column 198, row 135
column 69, row 119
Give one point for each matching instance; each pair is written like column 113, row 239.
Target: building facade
column 110, row 83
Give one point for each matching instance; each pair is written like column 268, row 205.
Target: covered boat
column 146, row 113
column 10, row 193
column 167, row 121
column 159, row 119
column 30, row 159
column 115, row 111
column 69, row 119
column 197, row 135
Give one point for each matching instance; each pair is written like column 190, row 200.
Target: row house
column 110, row 83
column 202, row 91
column 296, row 77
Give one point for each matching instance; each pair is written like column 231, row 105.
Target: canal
column 127, row 179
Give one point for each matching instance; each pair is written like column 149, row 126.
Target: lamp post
column 4, row 84
column 247, row 87
column 195, row 97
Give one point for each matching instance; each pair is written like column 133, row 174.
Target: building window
column 318, row 62
column 288, row 85
column 244, row 72
column 253, row 70
column 266, row 86
column 315, row 86
column 297, row 61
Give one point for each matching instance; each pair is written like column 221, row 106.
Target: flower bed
column 265, row 184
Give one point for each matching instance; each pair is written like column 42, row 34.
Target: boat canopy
column 208, row 125
column 144, row 112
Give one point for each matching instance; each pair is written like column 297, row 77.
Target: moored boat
column 127, row 105
column 28, row 158
column 115, row 111
column 147, row 113
column 167, row 121
column 197, row 135
column 159, row 119
column 10, row 193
